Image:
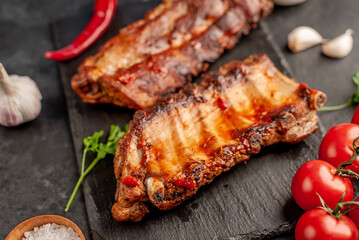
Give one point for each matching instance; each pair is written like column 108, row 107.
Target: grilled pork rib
column 179, row 145
column 161, row 53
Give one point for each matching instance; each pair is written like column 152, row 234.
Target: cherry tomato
column 354, row 214
column 355, row 118
column 318, row 224
column 337, row 145
column 314, row 177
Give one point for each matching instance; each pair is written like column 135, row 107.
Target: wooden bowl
column 18, row 232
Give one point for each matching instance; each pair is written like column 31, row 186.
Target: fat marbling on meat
column 181, row 144
column 160, row 53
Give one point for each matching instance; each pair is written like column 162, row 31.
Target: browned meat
column 161, row 53
column 176, row 147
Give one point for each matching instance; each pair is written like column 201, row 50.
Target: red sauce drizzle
column 223, row 103
column 207, row 146
column 245, row 143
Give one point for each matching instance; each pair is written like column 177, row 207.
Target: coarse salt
column 51, row 231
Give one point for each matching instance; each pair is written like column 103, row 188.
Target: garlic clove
column 288, row 2
column 340, row 46
column 20, row 99
column 302, row 38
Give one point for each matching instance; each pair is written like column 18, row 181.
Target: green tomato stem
column 347, row 172
column 336, row 212
column 340, row 205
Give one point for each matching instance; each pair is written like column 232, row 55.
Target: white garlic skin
column 288, row 2
column 303, row 37
column 340, row 46
column 20, row 99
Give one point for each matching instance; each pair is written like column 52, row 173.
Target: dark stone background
column 37, row 162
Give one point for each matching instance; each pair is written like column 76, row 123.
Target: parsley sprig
column 353, row 100
column 92, row 144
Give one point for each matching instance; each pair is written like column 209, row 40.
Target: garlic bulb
column 340, row 46
column 302, row 38
column 20, row 99
column 288, row 2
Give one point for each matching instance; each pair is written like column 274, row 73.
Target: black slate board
column 252, row 201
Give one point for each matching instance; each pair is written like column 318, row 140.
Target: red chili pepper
column 100, row 21
column 130, row 181
column 186, row 183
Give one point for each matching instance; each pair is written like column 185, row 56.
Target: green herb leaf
column 353, row 100
column 91, row 143
column 355, row 97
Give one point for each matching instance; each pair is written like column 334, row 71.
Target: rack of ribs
column 162, row 52
column 184, row 142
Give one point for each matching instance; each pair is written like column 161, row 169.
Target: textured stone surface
column 236, row 201
column 37, row 164
column 332, row 76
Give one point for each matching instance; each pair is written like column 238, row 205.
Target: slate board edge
column 280, row 231
column 58, row 45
